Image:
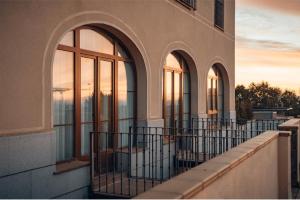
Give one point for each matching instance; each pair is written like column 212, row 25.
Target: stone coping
column 291, row 123
column 188, row 184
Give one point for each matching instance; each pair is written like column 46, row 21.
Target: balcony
column 146, row 157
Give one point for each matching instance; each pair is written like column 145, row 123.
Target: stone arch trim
column 96, row 18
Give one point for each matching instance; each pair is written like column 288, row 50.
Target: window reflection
column 105, row 91
column 176, row 92
column 95, row 104
column 68, row 39
column 93, row 41
column 215, row 93
column 63, row 103
column 87, row 100
column 172, row 61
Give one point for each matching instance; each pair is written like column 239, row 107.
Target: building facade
column 72, row 67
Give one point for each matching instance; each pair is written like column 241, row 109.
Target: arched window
column 215, row 94
column 94, row 89
column 176, row 92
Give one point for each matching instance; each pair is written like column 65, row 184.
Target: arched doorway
column 215, row 94
column 176, row 92
column 94, row 89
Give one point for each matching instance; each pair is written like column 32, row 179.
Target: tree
column 243, row 103
column 262, row 95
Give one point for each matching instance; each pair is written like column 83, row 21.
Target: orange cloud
column 287, row 6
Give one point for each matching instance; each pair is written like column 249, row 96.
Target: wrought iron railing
column 147, row 156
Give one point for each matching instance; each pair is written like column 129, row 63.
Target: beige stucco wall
column 31, row 31
column 258, row 168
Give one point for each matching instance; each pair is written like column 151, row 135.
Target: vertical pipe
column 144, row 159
column 129, row 162
column 152, row 163
column 121, row 162
column 106, row 157
column 161, row 157
column 136, row 162
column 114, row 164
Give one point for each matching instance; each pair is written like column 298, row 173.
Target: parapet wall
column 258, row 168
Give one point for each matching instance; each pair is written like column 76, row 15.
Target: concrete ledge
column 292, row 123
column 188, row 184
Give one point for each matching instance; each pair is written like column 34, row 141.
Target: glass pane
column 186, row 83
column 124, row 130
column 68, row 39
column 64, row 142
column 212, row 73
column 85, row 139
column 63, row 87
column 209, row 94
column 176, row 93
column 186, row 103
column 168, row 93
column 172, row 61
column 87, row 89
column 186, row 121
column 126, row 91
column 94, row 41
column 121, row 51
column 168, row 122
column 106, row 137
column 105, row 90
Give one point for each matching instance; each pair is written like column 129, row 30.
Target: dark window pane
column 219, row 13
column 85, row 139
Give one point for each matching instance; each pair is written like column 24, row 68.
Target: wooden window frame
column 97, row 56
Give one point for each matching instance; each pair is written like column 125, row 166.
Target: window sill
column 219, row 28
column 69, row 166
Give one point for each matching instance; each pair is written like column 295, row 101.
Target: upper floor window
column 219, row 14
column 188, row 3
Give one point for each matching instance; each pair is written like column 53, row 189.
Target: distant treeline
column 262, row 95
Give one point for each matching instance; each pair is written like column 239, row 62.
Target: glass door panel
column 168, row 87
column 126, row 100
column 177, row 91
column 106, row 101
column 87, row 102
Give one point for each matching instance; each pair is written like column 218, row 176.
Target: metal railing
column 126, row 164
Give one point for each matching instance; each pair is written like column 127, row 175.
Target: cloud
column 287, row 6
column 243, row 42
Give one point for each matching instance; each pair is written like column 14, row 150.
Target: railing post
column 92, row 165
column 284, row 165
column 293, row 126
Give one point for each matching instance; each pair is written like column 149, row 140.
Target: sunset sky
column 268, row 42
